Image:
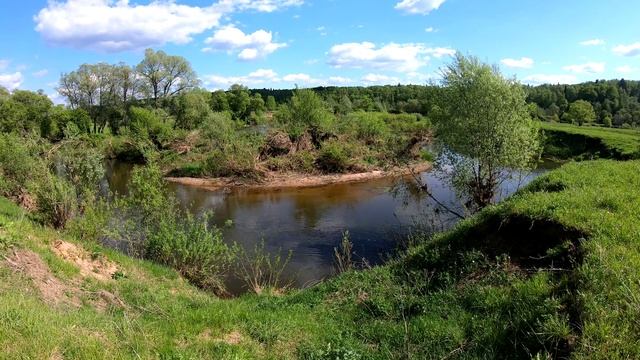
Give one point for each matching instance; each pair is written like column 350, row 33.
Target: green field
column 553, row 271
column 570, row 141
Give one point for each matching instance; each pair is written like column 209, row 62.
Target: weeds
column 262, row 271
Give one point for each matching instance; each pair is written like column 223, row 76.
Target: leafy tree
column 239, row 100
column 580, row 112
column 219, row 101
column 484, row 127
column 271, row 103
column 307, row 112
column 192, row 108
column 165, row 75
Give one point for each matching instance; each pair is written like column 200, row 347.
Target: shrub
column 20, row 165
column 193, row 248
column 333, row 158
column 57, row 201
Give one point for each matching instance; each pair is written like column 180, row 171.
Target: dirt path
column 275, row 180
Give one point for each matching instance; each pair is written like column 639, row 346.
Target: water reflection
column 310, row 222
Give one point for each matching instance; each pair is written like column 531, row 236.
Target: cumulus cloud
column 379, row 79
column 249, row 46
column 269, row 77
column 590, row 67
column 539, row 79
column 397, row 57
column 11, row 81
column 422, row 7
column 110, row 26
column 117, row 25
column 627, row 50
column 592, row 42
column 522, row 63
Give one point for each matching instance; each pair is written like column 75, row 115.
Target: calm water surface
column 378, row 214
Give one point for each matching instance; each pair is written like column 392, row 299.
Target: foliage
column 262, row 270
column 57, row 201
column 333, row 157
column 20, row 165
column 307, row 112
column 580, row 112
column 191, row 109
column 484, row 127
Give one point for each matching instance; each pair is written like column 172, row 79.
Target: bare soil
column 90, row 266
column 278, row 180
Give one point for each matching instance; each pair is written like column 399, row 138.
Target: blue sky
column 281, row 43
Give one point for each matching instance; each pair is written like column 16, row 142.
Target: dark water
column 378, row 214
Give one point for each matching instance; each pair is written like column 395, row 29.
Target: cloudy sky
column 281, row 43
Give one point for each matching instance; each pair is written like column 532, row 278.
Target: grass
column 588, row 142
column 553, row 271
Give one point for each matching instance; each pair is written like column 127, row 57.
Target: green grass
column 588, row 142
column 552, row 271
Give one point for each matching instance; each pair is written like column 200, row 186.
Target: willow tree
column 484, row 128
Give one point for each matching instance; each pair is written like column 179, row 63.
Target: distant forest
column 612, row 102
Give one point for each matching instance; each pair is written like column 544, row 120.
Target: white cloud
column 625, row 69
column 11, row 81
column 397, row 57
column 297, row 77
column 117, row 25
column 379, row 79
column 522, row 63
column 590, row 67
column 592, row 42
column 255, row 78
column 110, row 25
column 250, row 46
column 259, row 5
column 430, row 29
column 41, row 73
column 539, row 79
column 422, row 7
column 339, row 80
column 627, row 50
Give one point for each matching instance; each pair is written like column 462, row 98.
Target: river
column 378, row 214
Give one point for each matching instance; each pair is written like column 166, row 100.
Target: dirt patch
column 52, row 290
column 103, row 300
column 232, row 338
column 276, row 180
column 90, row 266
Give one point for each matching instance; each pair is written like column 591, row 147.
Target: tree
column 219, row 102
column 271, row 103
column 484, row 128
column 192, row 108
column 164, row 75
column 306, row 111
column 239, row 99
column 580, row 111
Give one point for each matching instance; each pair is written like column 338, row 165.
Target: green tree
column 306, row 111
column 219, row 101
column 580, row 112
column 239, row 100
column 484, row 127
column 165, row 75
column 271, row 103
column 192, row 108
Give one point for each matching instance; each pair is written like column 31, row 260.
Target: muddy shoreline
column 276, row 180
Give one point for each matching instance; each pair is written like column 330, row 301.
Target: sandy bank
column 275, row 180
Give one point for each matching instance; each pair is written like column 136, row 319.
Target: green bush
column 20, row 164
column 57, row 201
column 333, row 158
column 193, row 248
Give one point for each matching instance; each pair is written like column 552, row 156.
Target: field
column 553, row 271
column 571, row 141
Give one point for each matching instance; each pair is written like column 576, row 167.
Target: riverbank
column 278, row 180
column 549, row 273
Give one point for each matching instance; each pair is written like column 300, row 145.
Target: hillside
column 553, row 271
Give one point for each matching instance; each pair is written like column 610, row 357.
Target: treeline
column 607, row 102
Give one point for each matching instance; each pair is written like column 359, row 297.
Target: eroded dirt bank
column 276, row 180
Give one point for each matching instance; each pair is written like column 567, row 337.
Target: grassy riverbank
column 550, row 272
column 566, row 141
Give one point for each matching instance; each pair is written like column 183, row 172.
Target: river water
column 378, row 214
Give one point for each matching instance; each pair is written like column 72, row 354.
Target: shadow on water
column 379, row 215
